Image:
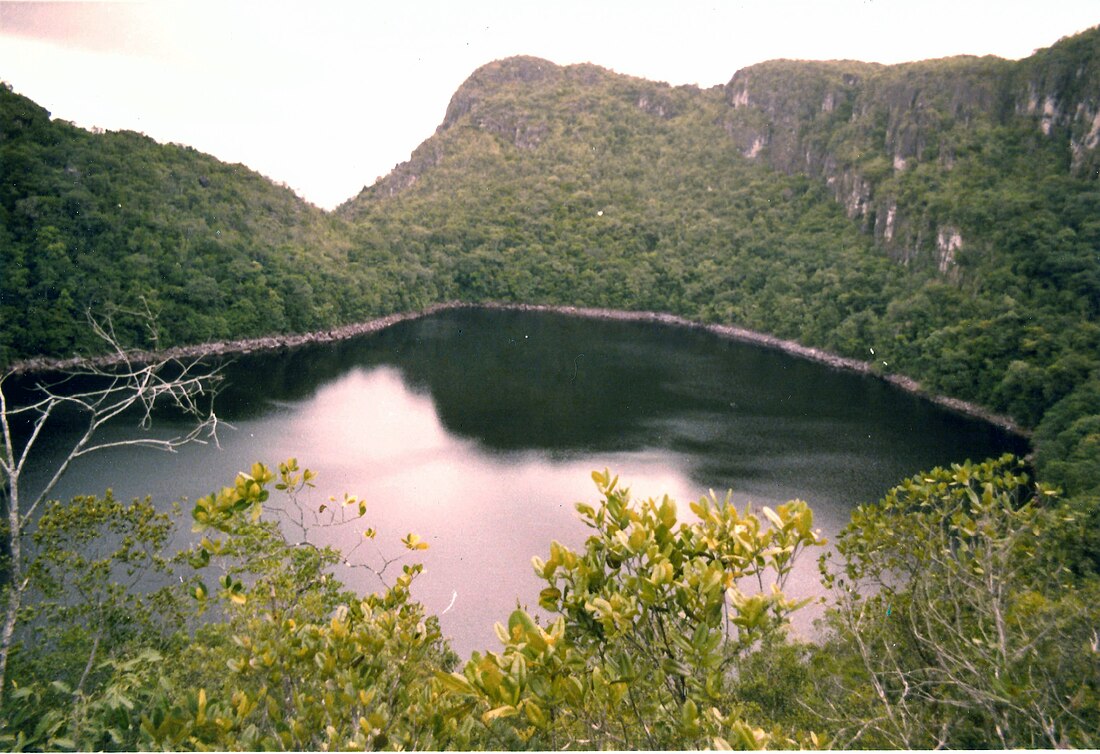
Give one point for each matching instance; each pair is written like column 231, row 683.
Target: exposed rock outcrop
column 864, row 129
column 858, row 125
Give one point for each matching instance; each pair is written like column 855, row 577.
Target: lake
column 478, row 430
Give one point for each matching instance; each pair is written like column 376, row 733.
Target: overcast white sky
column 328, row 96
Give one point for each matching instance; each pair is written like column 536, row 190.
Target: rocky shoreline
column 787, row 346
column 276, row 342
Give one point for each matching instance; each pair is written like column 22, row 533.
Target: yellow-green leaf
column 454, row 682
column 505, row 710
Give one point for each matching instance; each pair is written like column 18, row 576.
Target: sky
column 328, row 96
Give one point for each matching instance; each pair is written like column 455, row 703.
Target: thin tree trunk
column 15, row 597
column 78, row 692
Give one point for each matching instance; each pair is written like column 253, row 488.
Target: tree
column 101, row 603
column 651, row 620
column 960, row 622
column 119, row 664
column 311, row 665
column 127, row 385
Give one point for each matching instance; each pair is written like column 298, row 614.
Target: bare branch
column 125, row 383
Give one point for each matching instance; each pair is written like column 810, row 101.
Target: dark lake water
column 479, row 429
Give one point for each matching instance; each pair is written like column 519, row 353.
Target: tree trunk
column 15, row 595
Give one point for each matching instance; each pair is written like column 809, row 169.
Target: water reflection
column 478, row 430
column 484, row 512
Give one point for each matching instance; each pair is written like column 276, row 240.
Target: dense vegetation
column 111, row 221
column 961, row 616
column 937, row 218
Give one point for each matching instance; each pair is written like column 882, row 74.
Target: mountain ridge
column 769, row 122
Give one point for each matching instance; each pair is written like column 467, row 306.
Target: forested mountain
column 938, row 219
column 100, row 221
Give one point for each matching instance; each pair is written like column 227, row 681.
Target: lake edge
column 345, row 332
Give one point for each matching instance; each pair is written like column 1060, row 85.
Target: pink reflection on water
column 483, row 514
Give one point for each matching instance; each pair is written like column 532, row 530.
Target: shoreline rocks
column 740, row 334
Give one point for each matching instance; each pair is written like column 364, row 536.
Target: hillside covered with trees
column 103, row 221
column 938, row 219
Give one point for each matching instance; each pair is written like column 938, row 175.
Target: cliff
column 523, row 101
column 883, row 139
column 880, row 135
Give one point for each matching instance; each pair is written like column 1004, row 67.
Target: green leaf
column 519, row 619
column 505, row 710
column 772, row 516
column 535, row 713
column 689, row 714
column 454, row 682
column 673, row 666
column 549, row 597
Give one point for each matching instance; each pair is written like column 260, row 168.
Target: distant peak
column 515, row 68
column 522, row 68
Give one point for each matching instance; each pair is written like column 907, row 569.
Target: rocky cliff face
column 486, row 102
column 1059, row 89
column 479, row 103
column 879, row 137
column 861, row 127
